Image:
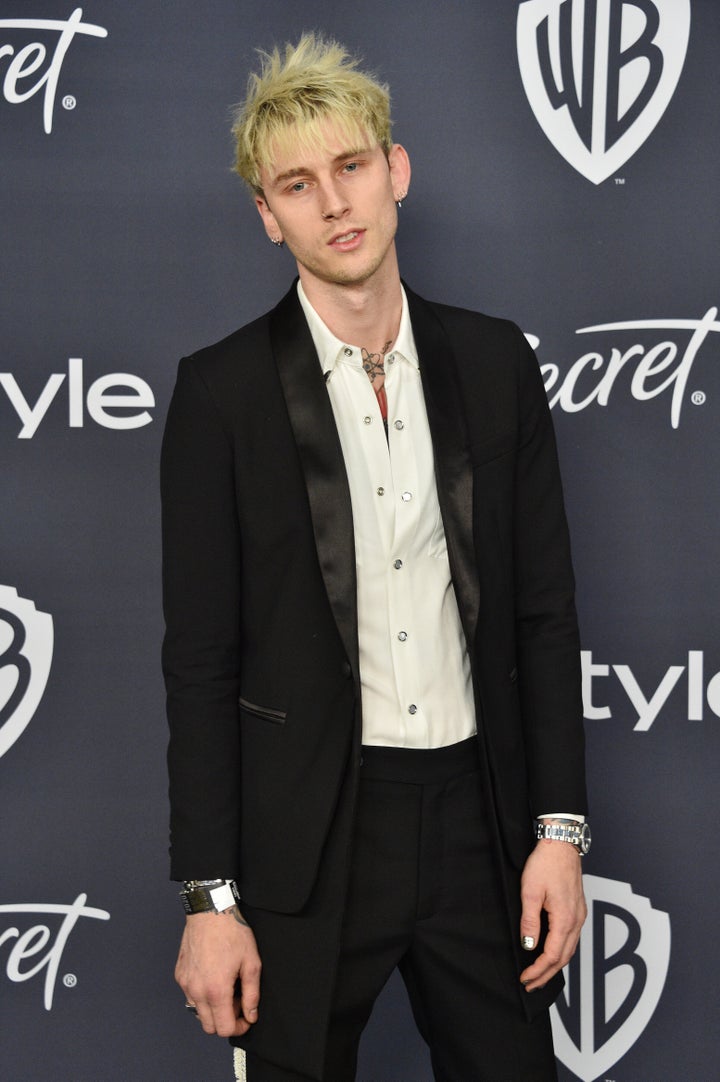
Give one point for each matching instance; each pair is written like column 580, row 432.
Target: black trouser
column 424, row 896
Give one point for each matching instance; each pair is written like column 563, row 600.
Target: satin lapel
column 318, row 445
column 453, row 466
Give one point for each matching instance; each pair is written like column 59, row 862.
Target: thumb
column 250, row 993
column 530, row 923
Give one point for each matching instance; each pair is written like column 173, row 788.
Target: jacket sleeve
column 547, row 639
column 201, row 648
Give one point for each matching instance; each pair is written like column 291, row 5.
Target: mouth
column 346, row 240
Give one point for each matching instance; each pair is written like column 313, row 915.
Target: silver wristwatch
column 578, row 834
column 209, row 895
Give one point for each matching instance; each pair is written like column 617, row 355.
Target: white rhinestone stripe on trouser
column 240, row 1065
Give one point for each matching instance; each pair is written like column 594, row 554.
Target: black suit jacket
column 261, row 653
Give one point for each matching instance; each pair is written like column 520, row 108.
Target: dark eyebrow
column 301, row 170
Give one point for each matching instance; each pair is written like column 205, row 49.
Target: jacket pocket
column 277, row 717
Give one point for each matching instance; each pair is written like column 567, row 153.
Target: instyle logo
column 26, row 648
column 632, row 358
column 648, row 702
column 599, row 74
column 28, row 956
column 27, row 72
column 615, row 980
column 116, row 390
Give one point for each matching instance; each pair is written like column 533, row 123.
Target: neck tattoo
column 374, row 364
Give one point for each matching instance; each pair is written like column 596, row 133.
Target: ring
column 191, row 1008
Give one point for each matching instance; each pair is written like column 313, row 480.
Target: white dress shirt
column 414, row 665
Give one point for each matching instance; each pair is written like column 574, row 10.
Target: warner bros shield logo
column 26, row 648
column 615, row 980
column 599, row 74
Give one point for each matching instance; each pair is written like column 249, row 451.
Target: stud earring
column 277, row 241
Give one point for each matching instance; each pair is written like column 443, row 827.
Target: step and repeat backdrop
column 566, row 162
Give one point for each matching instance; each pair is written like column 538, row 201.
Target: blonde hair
column 291, row 97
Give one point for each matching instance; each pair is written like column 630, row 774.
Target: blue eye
column 299, row 187
column 351, row 167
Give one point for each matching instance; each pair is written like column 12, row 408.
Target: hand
column 552, row 880
column 216, row 951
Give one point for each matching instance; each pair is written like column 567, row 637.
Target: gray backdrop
column 126, row 242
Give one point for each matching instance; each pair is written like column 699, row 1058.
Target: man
column 371, row 656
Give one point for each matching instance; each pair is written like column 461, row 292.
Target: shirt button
column 367, row 420
column 399, row 425
column 347, row 351
column 397, row 565
column 412, row 709
column 402, row 635
column 390, row 358
column 406, row 497
column 380, row 491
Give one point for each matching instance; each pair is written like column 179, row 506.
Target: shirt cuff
column 562, row 815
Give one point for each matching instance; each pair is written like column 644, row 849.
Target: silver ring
column 191, row 1008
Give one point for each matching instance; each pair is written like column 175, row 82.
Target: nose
column 333, row 202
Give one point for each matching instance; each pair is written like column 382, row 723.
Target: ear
column 400, row 171
column 272, row 229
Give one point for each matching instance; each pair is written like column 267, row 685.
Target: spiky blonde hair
column 289, row 100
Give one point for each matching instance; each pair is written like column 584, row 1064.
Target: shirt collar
column 332, row 350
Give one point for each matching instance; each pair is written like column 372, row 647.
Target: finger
column 204, row 1016
column 196, row 1004
column 225, row 1021
column 538, row 974
column 215, row 1008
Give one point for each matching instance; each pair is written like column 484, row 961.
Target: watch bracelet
column 570, row 831
column 204, row 895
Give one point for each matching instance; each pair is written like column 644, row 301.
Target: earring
column 277, row 241
column 399, row 198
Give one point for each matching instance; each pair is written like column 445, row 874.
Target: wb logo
column 615, row 980
column 26, row 647
column 599, row 74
